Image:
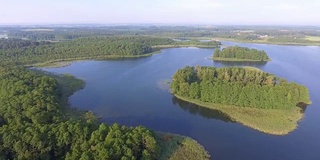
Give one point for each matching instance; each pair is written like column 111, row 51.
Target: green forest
column 27, row 52
column 236, row 53
column 33, row 126
column 297, row 35
column 13, row 43
column 243, row 87
column 37, row 123
column 79, row 48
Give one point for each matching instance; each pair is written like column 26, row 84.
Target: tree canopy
column 87, row 48
column 244, row 87
column 33, row 126
column 13, row 43
column 240, row 53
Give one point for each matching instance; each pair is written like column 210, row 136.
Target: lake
column 133, row 92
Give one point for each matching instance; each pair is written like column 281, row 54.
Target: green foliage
column 94, row 47
column 256, row 34
column 33, row 126
column 199, row 43
column 18, row 43
column 244, row 87
column 241, row 53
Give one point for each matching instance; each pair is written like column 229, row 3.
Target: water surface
column 129, row 92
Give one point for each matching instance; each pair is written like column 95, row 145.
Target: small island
column 236, row 53
column 247, row 95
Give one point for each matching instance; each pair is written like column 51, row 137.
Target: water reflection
column 228, row 63
column 303, row 107
column 203, row 111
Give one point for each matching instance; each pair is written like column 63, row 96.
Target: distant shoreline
column 67, row 61
column 179, row 46
column 237, row 60
column 267, row 42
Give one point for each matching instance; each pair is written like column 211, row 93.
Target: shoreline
column 66, row 62
column 268, row 43
column 237, row 60
column 172, row 146
column 176, row 147
column 257, row 119
column 181, row 46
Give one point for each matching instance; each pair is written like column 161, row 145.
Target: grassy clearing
column 176, row 147
column 252, row 68
column 53, row 64
column 313, row 38
column 271, row 121
column 237, row 60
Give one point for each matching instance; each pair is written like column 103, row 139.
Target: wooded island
column 241, row 88
column 236, row 53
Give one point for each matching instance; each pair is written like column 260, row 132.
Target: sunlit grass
column 252, row 68
column 313, row 38
column 176, row 147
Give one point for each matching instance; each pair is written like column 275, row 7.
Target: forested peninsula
column 247, row 95
column 236, row 53
column 27, row 52
column 36, row 123
column 83, row 48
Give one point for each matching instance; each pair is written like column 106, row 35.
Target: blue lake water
column 131, row 92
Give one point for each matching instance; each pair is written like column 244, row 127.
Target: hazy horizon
column 175, row 12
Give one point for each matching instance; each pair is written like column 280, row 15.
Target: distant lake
column 132, row 92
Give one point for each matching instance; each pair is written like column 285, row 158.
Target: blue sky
column 224, row 12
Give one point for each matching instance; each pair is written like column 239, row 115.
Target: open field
column 313, row 38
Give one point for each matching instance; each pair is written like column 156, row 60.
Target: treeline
column 66, row 34
column 87, row 48
column 33, row 126
column 244, row 87
column 199, row 43
column 265, row 34
column 241, row 53
column 13, row 43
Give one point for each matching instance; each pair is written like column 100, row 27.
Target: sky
column 215, row 12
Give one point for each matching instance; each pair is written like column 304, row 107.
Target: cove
column 128, row 92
